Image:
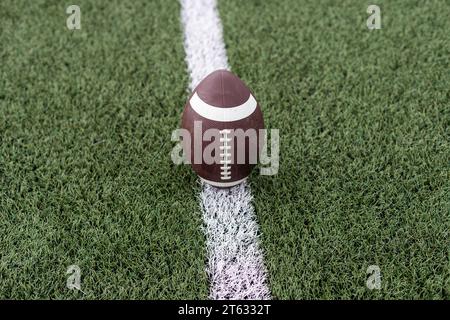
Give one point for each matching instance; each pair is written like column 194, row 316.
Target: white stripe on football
column 223, row 114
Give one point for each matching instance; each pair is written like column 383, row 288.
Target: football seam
column 225, row 155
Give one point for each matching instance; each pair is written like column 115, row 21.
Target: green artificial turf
column 364, row 126
column 85, row 170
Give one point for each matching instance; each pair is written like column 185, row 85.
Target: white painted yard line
column 203, row 41
column 235, row 261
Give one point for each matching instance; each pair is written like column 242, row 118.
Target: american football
column 223, row 102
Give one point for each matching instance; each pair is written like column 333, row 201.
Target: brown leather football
column 219, row 106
